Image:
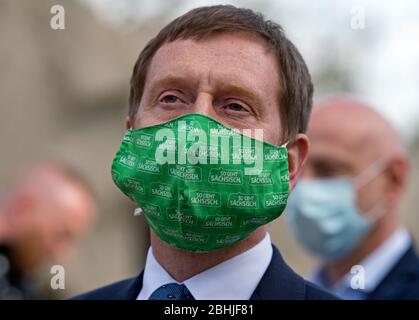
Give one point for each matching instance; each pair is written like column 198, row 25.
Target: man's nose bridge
column 204, row 104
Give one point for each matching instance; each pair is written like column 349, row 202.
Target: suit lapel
column 397, row 284
column 279, row 282
column 130, row 289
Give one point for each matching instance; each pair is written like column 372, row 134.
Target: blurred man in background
column 346, row 208
column 40, row 220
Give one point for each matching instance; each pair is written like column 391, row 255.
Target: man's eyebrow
column 166, row 81
column 170, row 79
column 240, row 90
column 330, row 163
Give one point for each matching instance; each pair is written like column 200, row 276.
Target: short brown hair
column 296, row 86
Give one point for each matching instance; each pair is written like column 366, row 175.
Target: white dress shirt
column 233, row 279
column 376, row 266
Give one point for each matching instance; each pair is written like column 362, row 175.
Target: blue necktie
column 172, row 291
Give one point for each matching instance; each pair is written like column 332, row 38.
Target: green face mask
column 201, row 185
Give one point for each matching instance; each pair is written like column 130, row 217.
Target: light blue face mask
column 324, row 217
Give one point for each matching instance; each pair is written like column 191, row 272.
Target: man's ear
column 397, row 176
column 297, row 156
column 128, row 124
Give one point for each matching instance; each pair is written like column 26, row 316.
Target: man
column 216, row 67
column 345, row 210
column 41, row 218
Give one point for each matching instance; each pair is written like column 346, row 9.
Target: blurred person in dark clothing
column 345, row 209
column 41, row 218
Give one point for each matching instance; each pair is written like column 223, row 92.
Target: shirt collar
column 375, row 266
column 233, row 279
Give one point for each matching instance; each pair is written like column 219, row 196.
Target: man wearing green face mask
column 219, row 104
column 345, row 209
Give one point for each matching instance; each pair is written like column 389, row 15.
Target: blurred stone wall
column 63, row 96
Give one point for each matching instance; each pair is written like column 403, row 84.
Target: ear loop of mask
column 284, row 145
column 370, row 173
column 365, row 177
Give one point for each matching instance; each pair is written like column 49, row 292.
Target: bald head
column 347, row 139
column 45, row 212
column 357, row 126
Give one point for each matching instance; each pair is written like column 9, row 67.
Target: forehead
column 232, row 57
column 341, row 135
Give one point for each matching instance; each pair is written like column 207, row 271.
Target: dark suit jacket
column 402, row 282
column 278, row 282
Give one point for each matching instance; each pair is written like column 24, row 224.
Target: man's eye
column 326, row 171
column 235, row 107
column 169, row 99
